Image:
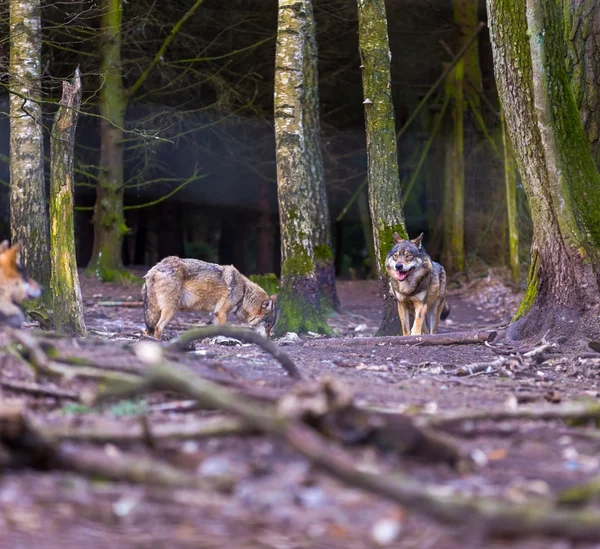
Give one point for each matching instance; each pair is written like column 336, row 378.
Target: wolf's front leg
column 420, row 313
column 404, row 315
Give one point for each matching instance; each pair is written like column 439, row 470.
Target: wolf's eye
column 408, row 256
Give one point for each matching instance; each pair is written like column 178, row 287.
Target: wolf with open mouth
column 418, row 284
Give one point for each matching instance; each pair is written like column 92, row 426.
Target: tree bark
column 109, row 220
column 67, row 304
column 510, row 179
column 298, row 300
column 582, row 29
column 324, row 261
column 556, row 166
column 28, row 213
column 382, row 160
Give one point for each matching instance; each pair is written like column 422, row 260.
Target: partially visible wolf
column 419, row 285
column 192, row 284
column 15, row 285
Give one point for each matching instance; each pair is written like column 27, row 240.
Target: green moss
column 385, row 236
column 299, row 263
column 323, row 253
column 297, row 314
column 531, row 291
column 268, row 282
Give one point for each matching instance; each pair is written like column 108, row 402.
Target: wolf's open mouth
column 403, row 275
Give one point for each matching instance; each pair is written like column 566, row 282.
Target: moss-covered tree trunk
column 109, row 219
column 382, row 161
column 324, row 261
column 556, row 167
column 67, row 304
column 454, row 195
column 510, row 179
column 28, row 213
column 298, row 299
column 582, row 31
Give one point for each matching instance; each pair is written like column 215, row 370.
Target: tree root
column 243, row 334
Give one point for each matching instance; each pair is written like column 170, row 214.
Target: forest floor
column 278, row 500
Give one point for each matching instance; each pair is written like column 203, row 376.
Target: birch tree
column 536, row 89
column 28, row 213
column 298, row 299
column 382, row 161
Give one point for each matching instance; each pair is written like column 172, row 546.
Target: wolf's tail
column 151, row 312
column 445, row 311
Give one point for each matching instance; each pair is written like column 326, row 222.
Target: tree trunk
column 582, row 27
column 298, row 300
column 324, row 261
column 465, row 16
column 67, row 304
column 510, row 178
column 556, row 167
column 28, row 213
column 382, row 160
column 109, row 220
column 454, row 195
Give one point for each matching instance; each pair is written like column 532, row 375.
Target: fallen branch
column 117, row 433
column 38, row 390
column 130, row 468
column 568, row 411
column 31, row 352
column 243, row 334
column 454, row 338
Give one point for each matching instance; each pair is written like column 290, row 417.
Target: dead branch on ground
column 244, row 335
column 455, row 338
column 38, row 390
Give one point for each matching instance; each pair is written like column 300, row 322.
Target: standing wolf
column 418, row 284
column 196, row 285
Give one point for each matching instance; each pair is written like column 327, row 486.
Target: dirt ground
column 278, row 500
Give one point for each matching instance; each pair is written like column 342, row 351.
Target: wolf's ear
column 14, row 254
column 268, row 305
column 418, row 240
column 3, row 246
column 397, row 238
column 273, row 298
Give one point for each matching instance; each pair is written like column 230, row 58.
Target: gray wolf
column 418, row 284
column 15, row 285
column 196, row 285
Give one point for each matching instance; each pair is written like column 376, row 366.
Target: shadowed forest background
column 199, row 148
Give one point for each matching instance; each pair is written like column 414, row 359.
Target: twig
column 243, row 334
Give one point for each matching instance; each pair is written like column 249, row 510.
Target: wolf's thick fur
column 196, row 285
column 419, row 285
column 15, row 285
